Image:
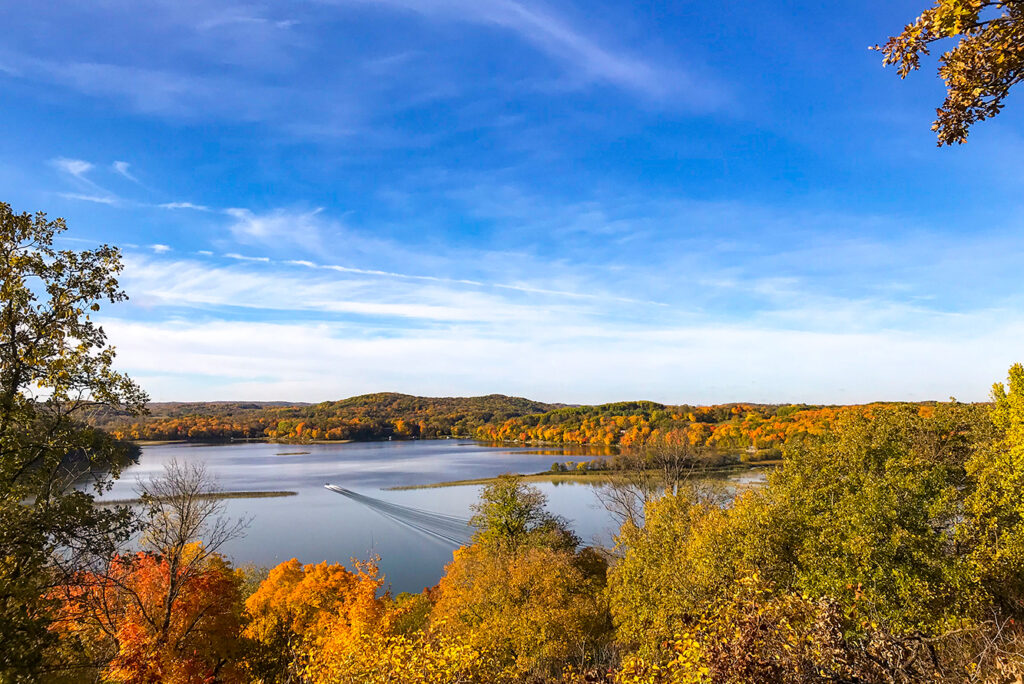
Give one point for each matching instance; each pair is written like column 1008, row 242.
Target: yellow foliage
column 753, row 637
column 301, row 609
column 380, row 658
column 532, row 610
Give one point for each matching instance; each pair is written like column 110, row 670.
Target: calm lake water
column 318, row 524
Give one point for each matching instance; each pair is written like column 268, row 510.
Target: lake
column 318, row 524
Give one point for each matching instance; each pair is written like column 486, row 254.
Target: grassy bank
column 595, row 477
column 588, row 476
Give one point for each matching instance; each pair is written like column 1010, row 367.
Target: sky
column 687, row 202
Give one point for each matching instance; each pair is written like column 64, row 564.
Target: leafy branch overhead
column 979, row 70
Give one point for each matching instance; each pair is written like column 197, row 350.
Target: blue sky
column 685, row 202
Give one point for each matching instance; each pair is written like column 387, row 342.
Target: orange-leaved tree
column 170, row 612
column 302, row 611
column 120, row 618
column 326, row 623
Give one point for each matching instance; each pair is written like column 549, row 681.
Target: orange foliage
column 726, row 428
column 300, row 612
column 123, row 614
column 372, row 416
column 194, row 428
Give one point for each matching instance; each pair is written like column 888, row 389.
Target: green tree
column 55, row 364
column 979, row 71
column 870, row 513
column 995, row 504
column 510, row 514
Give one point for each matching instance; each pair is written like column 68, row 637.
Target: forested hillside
column 755, row 431
column 366, row 417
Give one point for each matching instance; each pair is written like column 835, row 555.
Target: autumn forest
column 514, row 176
column 752, row 432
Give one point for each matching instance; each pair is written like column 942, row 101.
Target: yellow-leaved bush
column 755, row 636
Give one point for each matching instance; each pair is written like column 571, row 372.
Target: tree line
column 367, row 417
column 750, row 432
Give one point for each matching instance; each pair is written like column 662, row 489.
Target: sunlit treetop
column 979, row 70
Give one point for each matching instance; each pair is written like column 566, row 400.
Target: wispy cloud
column 473, row 283
column 160, row 91
column 303, row 228
column 180, row 75
column 184, row 205
column 108, row 200
column 588, row 58
column 762, row 320
column 184, row 283
column 695, row 364
column 261, row 283
column 242, row 257
column 77, row 170
column 74, row 167
column 160, row 249
column 122, row 168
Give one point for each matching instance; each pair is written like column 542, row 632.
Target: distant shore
column 222, row 442
column 208, row 495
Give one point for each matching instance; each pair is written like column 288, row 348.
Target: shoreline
column 593, row 476
column 206, row 495
column 227, row 442
column 566, row 447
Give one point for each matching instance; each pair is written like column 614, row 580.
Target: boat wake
column 446, row 528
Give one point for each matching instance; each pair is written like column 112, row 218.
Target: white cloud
column 109, row 200
column 249, row 285
column 122, row 167
column 242, row 257
column 700, row 364
column 199, row 62
column 279, row 226
column 164, row 92
column 588, row 57
column 160, row 249
column 75, row 167
column 184, row 205
column 445, row 338
column 76, row 171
